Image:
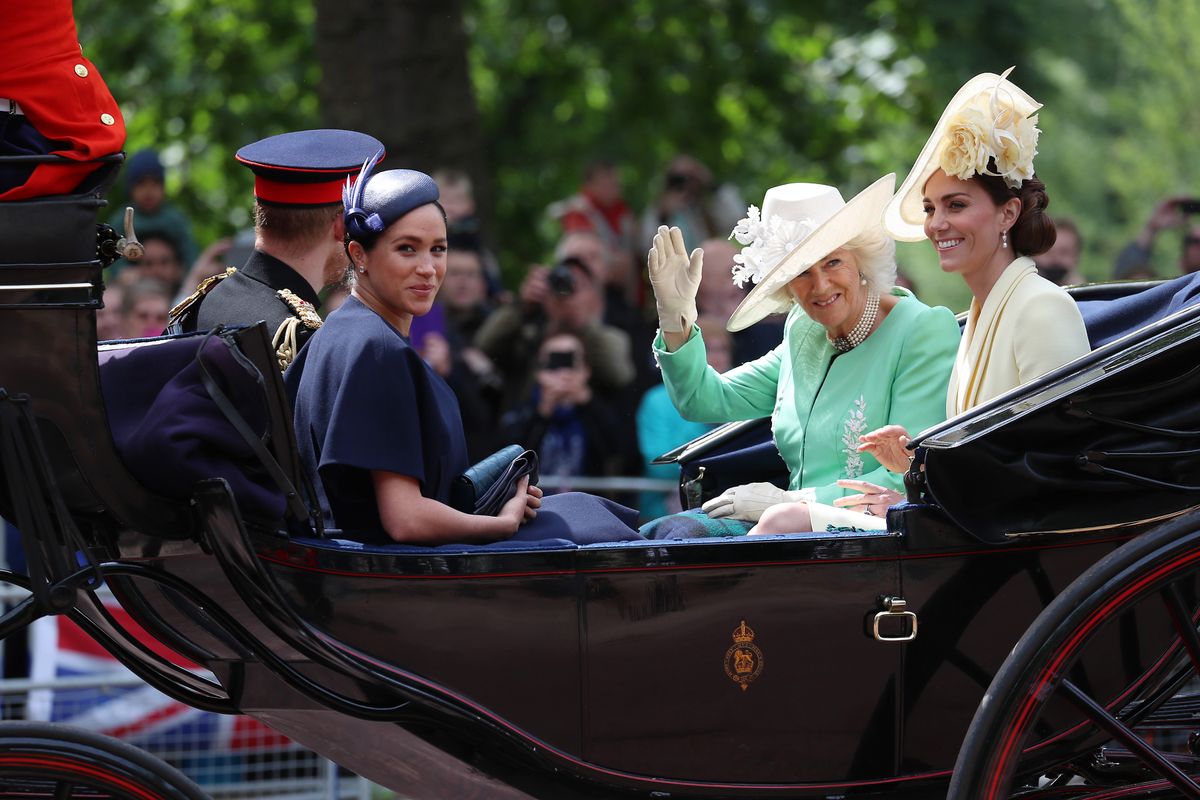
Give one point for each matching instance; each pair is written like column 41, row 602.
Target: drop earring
column 862, row 279
column 1004, row 239
column 362, row 269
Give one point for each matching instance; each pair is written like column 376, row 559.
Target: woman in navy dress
column 378, row 427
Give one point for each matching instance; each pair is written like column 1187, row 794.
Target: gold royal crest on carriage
column 743, row 661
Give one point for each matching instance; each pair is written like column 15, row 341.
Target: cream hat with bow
column 990, row 117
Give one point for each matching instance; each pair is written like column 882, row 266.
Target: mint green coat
column 819, row 404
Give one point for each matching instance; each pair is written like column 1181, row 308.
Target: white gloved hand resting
column 749, row 501
column 675, row 278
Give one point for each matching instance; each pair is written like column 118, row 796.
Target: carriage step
column 1179, row 711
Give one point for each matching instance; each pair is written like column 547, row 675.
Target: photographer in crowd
column 690, row 201
column 565, row 298
column 569, row 425
column 1136, row 259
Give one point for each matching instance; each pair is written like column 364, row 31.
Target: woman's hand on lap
column 873, row 500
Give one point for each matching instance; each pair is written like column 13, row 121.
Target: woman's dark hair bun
column 1033, row 233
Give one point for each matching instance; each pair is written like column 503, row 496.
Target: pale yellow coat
column 1025, row 328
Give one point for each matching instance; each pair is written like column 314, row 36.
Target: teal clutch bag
column 487, row 486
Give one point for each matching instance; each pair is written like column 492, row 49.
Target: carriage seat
column 1110, row 311
column 1108, row 318
column 171, row 433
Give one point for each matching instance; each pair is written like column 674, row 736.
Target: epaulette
column 204, row 287
column 286, row 339
column 301, row 308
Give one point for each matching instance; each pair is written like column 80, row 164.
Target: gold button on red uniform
column 41, row 70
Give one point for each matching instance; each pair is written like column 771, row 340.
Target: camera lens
column 561, row 281
column 676, row 180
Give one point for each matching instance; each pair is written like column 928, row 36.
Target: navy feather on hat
column 375, row 201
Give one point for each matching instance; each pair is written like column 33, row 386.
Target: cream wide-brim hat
column 904, row 217
column 862, row 213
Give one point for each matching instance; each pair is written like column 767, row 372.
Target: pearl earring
column 862, row 279
column 1004, row 239
column 362, row 269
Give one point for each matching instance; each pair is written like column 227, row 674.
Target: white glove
column 675, row 277
column 748, row 502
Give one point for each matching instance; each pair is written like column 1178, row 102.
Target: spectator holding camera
column 569, row 425
column 565, row 298
column 689, row 201
column 1135, row 261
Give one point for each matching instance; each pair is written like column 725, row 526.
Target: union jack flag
column 103, row 696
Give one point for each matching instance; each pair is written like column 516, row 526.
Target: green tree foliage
column 197, row 80
column 762, row 91
column 1123, row 108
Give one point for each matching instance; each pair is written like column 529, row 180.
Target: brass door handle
column 895, row 609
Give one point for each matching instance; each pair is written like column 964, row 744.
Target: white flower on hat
column 765, row 243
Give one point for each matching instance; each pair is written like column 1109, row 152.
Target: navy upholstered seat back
column 1109, row 319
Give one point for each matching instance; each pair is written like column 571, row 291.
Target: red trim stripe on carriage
column 68, row 767
column 1133, row 687
column 1063, row 653
column 759, row 789
column 284, row 561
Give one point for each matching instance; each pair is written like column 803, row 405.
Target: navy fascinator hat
column 375, row 201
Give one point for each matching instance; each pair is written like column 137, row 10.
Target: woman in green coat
column 858, row 353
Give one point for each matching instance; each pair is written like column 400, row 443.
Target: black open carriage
column 1027, row 625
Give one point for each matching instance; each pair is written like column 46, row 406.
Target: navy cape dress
column 363, row 400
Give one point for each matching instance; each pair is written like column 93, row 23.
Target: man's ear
column 338, row 228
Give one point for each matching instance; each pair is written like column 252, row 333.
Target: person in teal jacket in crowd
column 858, row 353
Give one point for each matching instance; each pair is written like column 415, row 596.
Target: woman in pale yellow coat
column 973, row 194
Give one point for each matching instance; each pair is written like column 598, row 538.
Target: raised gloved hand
column 675, row 277
column 749, row 501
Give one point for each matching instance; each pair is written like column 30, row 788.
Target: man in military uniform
column 298, row 247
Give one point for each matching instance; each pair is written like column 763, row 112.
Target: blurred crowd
column 562, row 363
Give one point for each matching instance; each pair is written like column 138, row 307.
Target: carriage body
column 806, row 665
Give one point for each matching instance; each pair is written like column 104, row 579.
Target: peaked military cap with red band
column 306, row 168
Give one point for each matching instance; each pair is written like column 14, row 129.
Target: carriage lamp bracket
column 894, row 608
column 110, row 246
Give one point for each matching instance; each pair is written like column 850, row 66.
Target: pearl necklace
column 861, row 329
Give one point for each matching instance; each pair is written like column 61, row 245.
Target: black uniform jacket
column 264, row 289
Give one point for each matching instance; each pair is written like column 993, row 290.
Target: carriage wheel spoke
column 1123, row 734
column 1181, row 617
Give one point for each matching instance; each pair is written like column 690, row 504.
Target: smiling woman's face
column 831, row 292
column 964, row 224
column 406, row 266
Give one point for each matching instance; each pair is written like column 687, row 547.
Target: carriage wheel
column 39, row 759
column 1005, row 752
